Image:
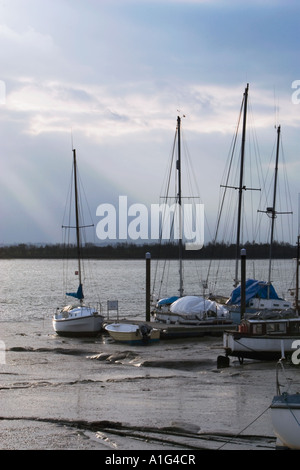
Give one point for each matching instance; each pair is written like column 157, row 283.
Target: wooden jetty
column 190, row 331
column 173, row 331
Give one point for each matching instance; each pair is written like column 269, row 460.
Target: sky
column 109, row 77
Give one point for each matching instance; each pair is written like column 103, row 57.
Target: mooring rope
column 238, row 434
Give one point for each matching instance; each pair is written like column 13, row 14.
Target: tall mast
column 77, row 218
column 298, row 261
column 297, row 276
column 273, row 208
column 178, row 167
column 241, row 187
column 271, row 211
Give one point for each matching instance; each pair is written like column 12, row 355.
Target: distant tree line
column 138, row 251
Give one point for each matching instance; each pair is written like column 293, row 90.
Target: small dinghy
column 133, row 334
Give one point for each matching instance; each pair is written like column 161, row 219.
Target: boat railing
column 97, row 306
column 93, row 306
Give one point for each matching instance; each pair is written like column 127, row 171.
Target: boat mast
column 178, row 167
column 297, row 261
column 272, row 209
column 241, row 187
column 297, row 277
column 77, row 219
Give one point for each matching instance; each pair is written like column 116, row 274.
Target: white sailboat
column 180, row 308
column 273, row 325
column 81, row 319
column 260, row 294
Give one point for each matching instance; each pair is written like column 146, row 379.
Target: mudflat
column 95, row 394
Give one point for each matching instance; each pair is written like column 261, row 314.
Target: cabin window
column 257, row 329
column 276, row 328
column 294, row 328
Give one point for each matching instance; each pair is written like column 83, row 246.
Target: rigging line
column 65, row 233
column 229, row 168
column 286, row 185
column 224, row 192
column 254, row 165
column 170, row 171
column 82, row 191
column 192, row 183
column 165, row 197
column 268, row 184
column 68, row 198
column 191, row 175
column 83, row 203
column 229, row 171
column 250, row 424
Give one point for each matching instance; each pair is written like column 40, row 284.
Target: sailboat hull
column 285, row 413
column 78, row 321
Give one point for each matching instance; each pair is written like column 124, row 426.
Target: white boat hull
column 77, row 321
column 132, row 334
column 285, row 413
column 260, row 347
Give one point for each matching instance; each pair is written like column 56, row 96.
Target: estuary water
column 33, row 289
column 94, row 394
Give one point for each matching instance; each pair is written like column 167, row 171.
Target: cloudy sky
column 112, row 76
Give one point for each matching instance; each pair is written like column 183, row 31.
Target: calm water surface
column 33, row 289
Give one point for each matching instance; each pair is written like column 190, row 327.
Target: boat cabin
column 271, row 327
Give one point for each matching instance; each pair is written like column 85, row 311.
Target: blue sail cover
column 167, row 301
column 254, row 288
column 78, row 295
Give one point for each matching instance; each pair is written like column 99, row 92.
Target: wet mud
column 94, row 394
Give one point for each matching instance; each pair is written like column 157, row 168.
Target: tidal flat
column 95, row 394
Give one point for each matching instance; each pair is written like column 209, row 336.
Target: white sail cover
column 198, row 306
